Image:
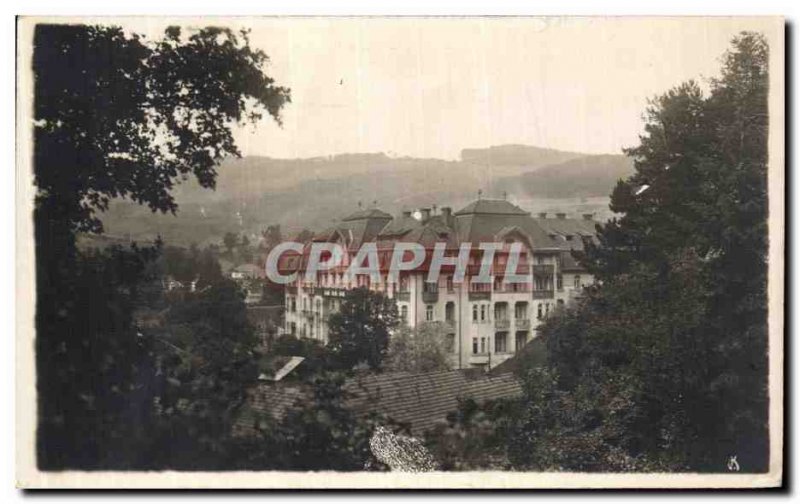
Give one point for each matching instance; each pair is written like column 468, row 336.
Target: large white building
column 487, row 323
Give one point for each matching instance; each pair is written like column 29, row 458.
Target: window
column 521, row 311
column 500, row 345
column 449, row 311
column 559, row 282
column 474, row 345
column 577, row 281
column 451, row 343
column 483, row 345
column 539, row 260
column 404, row 313
column 539, row 311
column 449, row 284
column 429, row 312
column 483, row 313
column 520, row 341
column 430, row 287
column 474, row 313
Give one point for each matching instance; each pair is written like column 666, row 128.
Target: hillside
column 584, row 177
column 254, row 192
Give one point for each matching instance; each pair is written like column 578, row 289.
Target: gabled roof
column 357, row 228
column 476, row 228
column 369, row 213
column 399, row 226
column 491, row 207
column 575, row 227
column 420, row 400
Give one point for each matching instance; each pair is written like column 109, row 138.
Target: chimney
column 447, row 213
column 561, row 216
column 542, row 215
column 588, row 216
column 426, row 214
column 406, row 213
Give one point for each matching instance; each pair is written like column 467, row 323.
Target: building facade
column 486, row 322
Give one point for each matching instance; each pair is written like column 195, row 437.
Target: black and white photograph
column 400, row 252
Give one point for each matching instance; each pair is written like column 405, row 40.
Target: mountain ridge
column 254, row 192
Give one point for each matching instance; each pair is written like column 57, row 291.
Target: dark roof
column 271, row 400
column 533, row 353
column 353, row 232
column 493, row 207
column 369, row 213
column 575, row 227
column 420, row 400
column 481, row 221
column 568, row 263
column 476, row 228
column 399, row 226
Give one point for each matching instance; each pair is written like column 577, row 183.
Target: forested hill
column 254, row 192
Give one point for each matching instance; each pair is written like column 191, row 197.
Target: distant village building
column 487, row 323
column 251, row 279
column 171, row 284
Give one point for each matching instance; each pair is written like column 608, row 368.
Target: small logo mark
column 733, row 464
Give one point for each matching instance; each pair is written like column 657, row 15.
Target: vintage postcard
column 453, row 252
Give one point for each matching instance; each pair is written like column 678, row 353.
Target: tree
column 117, row 116
column 208, row 363
column 359, row 332
column 319, row 434
column 664, row 362
column 476, row 436
column 304, row 236
column 231, row 241
column 421, row 350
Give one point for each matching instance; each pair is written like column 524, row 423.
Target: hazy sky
column 430, row 87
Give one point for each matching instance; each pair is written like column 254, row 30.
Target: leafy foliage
column 359, row 331
column 420, row 350
column 116, row 116
column 320, row 435
column 662, row 365
column 206, row 363
column 192, row 264
column 476, row 436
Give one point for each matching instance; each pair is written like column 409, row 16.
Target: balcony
column 329, row 292
column 543, row 269
column 430, row 297
column 543, row 294
column 402, row 296
column 512, row 289
column 522, row 324
column 502, row 323
column 479, row 295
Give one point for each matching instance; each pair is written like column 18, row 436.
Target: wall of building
column 482, row 330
